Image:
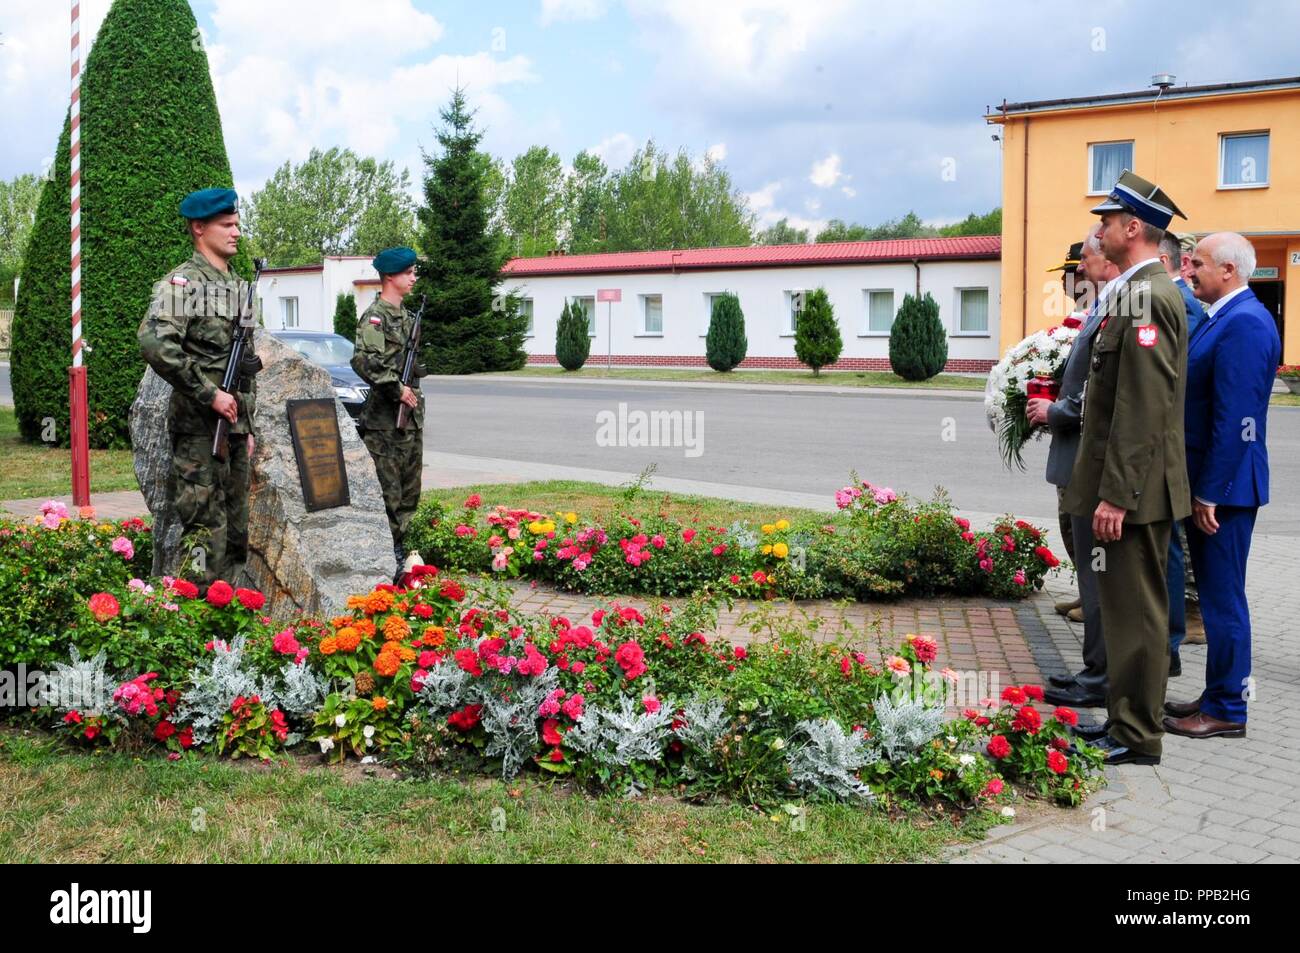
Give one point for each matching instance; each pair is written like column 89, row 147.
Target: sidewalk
column 934, row 393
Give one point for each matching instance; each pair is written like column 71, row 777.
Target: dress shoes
column 1075, row 615
column 1090, row 733
column 1201, row 725
column 1076, row 697
column 1061, row 681
column 1182, row 709
column 1117, row 753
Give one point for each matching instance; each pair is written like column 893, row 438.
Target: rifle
column 239, row 347
column 408, row 363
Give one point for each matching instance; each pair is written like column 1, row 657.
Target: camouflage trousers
column 211, row 502
column 398, row 456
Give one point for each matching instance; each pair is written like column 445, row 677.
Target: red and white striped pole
column 77, row 400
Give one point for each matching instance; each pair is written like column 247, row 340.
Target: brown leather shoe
column 1202, row 725
column 1064, row 607
column 1182, row 709
column 1075, row 615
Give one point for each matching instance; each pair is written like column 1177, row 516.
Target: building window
column 652, row 314
column 589, row 306
column 526, row 309
column 1243, row 161
column 880, row 311
column 288, row 312
column 793, row 307
column 973, row 311
column 709, row 298
column 1106, row 161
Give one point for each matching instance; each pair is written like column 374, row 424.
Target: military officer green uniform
column 1130, row 474
column 382, row 333
column 186, row 336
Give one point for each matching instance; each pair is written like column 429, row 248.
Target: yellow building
column 1227, row 154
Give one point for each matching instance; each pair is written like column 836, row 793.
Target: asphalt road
column 806, row 441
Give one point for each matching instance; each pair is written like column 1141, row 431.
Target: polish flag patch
column 1148, row 335
column 180, row 280
column 376, row 320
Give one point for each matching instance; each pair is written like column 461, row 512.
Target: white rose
column 368, row 731
column 341, row 720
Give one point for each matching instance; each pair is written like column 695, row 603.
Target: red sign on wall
column 609, row 294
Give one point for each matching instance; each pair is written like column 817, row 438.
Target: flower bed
column 880, row 545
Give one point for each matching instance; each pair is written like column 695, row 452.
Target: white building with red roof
column 666, row 299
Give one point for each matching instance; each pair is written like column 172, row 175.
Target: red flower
column 1033, row 691
column 452, row 590
column 631, row 659
column 72, row 718
column 473, row 501
column 846, row 666
column 250, row 599
column 1060, row 744
column 1058, row 762
column 220, row 594
column 556, row 755
column 185, row 589
column 1014, row 694
column 91, row 732
column 719, row 550
column 186, row 737
column 1045, row 554
column 467, row 659
column 1066, row 716
column 550, row 731
column 1027, row 720
column 103, row 606
column 164, row 730
column 466, row 718
column 651, row 704
column 688, row 535
column 740, row 652
column 999, row 747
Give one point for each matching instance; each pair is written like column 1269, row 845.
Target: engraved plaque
column 314, row 427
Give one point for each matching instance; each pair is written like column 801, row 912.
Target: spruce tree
column 468, row 326
column 918, row 344
column 150, row 134
column 725, row 344
column 817, row 340
column 345, row 316
column 572, row 337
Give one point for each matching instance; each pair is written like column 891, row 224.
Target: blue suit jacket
column 1195, row 310
column 1231, row 362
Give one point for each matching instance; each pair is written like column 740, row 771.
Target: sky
column 818, row 109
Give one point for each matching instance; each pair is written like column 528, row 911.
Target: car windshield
column 328, row 350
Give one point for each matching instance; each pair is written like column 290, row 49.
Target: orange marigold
column 406, row 653
column 366, row 627
column 435, row 635
column 339, row 621
column 348, row 639
column 387, row 664
column 381, row 600
column 328, row 645
column 379, row 703
column 356, row 602
column 396, row 628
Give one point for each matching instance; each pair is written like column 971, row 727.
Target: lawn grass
column 595, row 501
column 62, row 806
column 1285, row 400
column 595, row 371
column 35, row 470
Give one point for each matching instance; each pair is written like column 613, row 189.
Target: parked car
column 334, row 353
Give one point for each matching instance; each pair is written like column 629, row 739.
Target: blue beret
column 206, row 203
column 392, row 260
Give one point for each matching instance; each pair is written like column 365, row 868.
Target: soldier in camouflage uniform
column 186, row 338
column 382, row 332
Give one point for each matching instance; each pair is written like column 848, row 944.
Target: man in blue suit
column 1176, row 262
column 1232, row 359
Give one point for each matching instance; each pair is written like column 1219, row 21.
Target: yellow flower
column 781, row 550
column 570, row 517
column 782, row 525
column 535, row 528
column 768, row 529
column 767, row 550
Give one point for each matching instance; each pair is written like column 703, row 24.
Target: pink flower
column 285, row 643
column 740, row 652
column 1020, row 578
column 993, row 788
column 573, row 707
column 884, row 495
column 462, row 530
column 473, row 501
column 658, row 541
column 122, row 546
column 631, row 658
column 688, row 535
column 898, row 665
column 652, row 704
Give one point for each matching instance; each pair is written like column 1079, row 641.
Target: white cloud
column 717, row 152
column 812, row 205
column 849, row 191
column 826, row 172
column 762, row 203
column 615, row 150
column 556, row 11
column 324, row 27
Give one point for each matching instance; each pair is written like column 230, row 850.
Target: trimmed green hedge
column 151, row 134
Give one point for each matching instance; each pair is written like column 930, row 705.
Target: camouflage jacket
column 186, row 339
column 381, row 343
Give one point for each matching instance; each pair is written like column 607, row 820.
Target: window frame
column 591, row 315
column 789, row 324
column 284, row 313
column 644, row 301
column 1223, row 145
column 867, row 331
column 956, row 330
column 531, row 330
column 1131, row 143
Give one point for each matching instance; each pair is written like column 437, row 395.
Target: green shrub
column 572, row 337
column 345, row 316
column 918, row 344
column 817, row 340
column 725, row 345
column 151, row 134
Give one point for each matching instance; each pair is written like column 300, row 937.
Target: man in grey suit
column 1087, row 689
